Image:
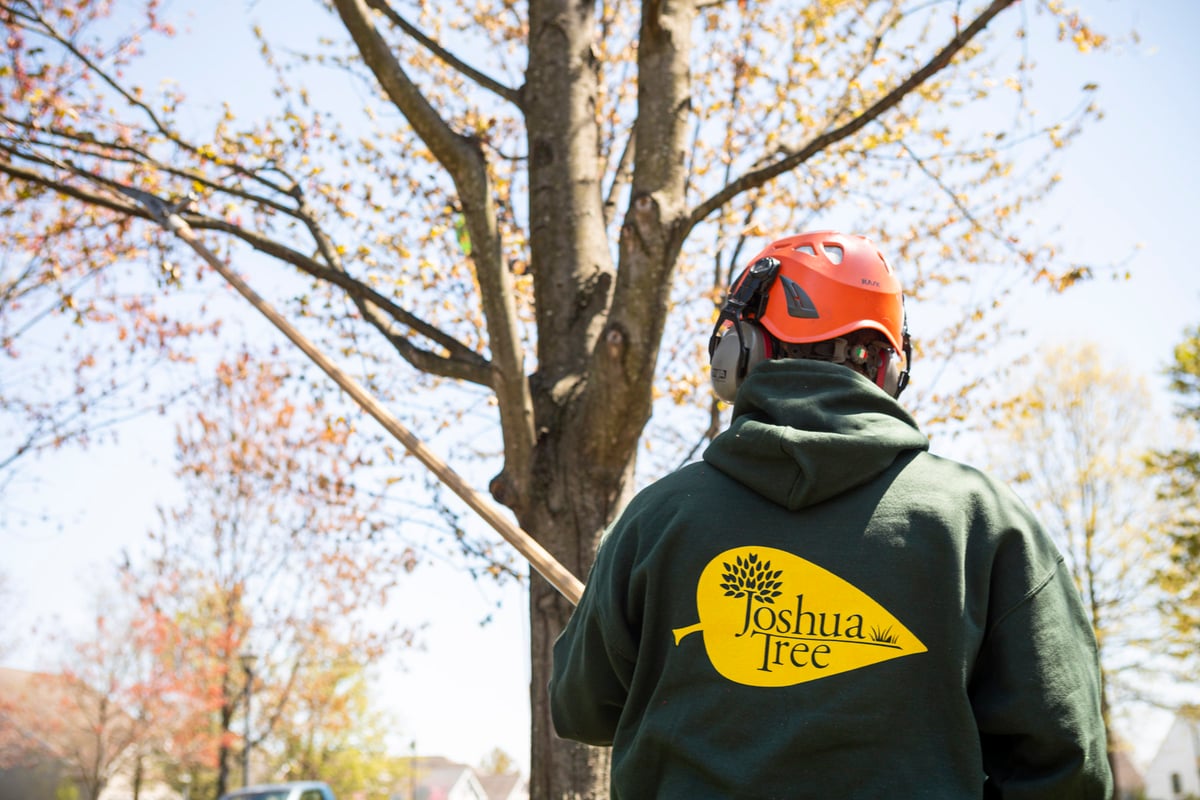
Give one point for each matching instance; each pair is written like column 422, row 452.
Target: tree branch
column 507, row 92
column 620, row 179
column 40, row 25
column 461, row 361
column 450, row 148
column 118, row 153
column 463, row 158
column 759, row 176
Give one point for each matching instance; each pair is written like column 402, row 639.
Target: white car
column 294, row 790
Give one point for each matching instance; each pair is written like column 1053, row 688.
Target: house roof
column 1127, row 775
column 501, row 787
column 437, row 777
column 16, row 683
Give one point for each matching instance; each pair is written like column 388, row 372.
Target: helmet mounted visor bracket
column 747, row 302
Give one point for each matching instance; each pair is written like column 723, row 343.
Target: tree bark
column 599, row 329
column 565, row 507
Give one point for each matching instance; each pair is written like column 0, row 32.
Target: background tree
column 95, row 721
column 497, row 762
column 1067, row 447
column 548, row 222
column 276, row 552
column 120, row 703
column 58, row 389
column 1179, row 467
column 331, row 729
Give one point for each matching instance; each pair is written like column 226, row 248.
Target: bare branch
column 507, row 92
column 621, row 177
column 761, row 175
column 43, row 27
column 88, row 146
column 69, row 190
column 53, row 431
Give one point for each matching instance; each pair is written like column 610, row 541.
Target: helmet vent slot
column 806, row 248
column 834, row 253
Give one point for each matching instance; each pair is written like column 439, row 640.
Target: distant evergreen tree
column 1179, row 468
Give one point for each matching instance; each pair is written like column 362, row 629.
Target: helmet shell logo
column 771, row 618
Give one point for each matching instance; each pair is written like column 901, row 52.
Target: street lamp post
column 247, row 658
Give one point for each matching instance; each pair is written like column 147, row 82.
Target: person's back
column 821, row 608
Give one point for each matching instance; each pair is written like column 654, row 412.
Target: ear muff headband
column 748, row 299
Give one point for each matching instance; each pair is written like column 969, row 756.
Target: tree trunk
column 563, row 504
column 224, row 754
column 598, row 333
column 579, row 496
column 560, row 768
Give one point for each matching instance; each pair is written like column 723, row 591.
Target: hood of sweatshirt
column 804, row 431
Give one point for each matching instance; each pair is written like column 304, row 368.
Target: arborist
column 821, row 607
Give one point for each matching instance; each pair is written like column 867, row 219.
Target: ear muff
column 892, row 376
column 888, row 376
column 740, row 349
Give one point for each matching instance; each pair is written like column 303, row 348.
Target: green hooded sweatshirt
column 822, row 608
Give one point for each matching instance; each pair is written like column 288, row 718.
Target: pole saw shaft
column 559, row 576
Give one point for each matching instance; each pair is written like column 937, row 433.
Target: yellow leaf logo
column 771, row 618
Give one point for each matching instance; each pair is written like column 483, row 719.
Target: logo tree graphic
column 752, row 579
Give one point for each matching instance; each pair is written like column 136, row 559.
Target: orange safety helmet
column 814, row 287
column 832, row 284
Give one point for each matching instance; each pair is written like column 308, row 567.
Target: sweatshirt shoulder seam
column 1033, row 592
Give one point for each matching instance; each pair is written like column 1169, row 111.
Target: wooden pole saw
column 539, row 558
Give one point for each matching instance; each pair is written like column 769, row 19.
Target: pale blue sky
column 1131, row 179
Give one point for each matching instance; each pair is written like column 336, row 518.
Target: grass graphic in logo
column 885, row 636
column 798, row 622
